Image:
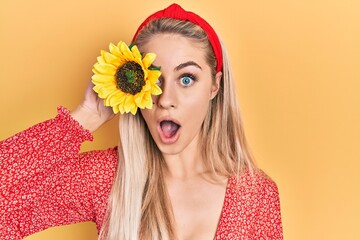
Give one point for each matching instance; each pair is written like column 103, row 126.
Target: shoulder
column 254, row 190
column 256, row 182
column 253, row 201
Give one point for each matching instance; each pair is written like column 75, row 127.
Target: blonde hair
column 139, row 206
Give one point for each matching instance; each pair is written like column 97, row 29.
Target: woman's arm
column 31, row 165
column 44, row 180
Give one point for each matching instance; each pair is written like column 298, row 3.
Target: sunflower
column 124, row 78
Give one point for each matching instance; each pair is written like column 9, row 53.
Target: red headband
column 176, row 12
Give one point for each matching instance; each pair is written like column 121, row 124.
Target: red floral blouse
column 45, row 182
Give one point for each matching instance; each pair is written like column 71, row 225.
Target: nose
column 168, row 97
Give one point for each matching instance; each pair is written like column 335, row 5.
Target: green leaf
column 154, row 68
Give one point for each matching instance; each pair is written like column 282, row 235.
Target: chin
column 170, row 150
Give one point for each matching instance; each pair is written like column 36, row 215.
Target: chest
column 197, row 209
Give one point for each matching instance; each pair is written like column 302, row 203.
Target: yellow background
column 297, row 65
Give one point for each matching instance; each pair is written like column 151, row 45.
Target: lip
column 163, row 138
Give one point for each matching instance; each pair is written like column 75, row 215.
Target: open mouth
column 169, row 128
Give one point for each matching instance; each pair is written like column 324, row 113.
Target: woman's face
column 178, row 113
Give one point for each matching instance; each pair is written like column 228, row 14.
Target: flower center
column 130, row 78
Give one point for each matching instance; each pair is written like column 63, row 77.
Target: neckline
column 222, row 214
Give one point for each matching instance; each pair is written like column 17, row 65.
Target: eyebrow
column 186, row 64
column 181, row 66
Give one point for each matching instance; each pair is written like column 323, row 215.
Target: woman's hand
column 92, row 113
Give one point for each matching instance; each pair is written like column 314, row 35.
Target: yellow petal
column 108, row 100
column 147, row 86
column 115, row 50
column 121, row 109
column 100, row 59
column 136, row 53
column 148, row 105
column 99, row 78
column 105, row 68
column 156, row 90
column 134, row 110
column 148, row 102
column 97, row 87
column 145, row 73
column 148, row 59
column 138, row 99
column 110, row 58
column 124, row 49
column 119, row 44
column 115, row 109
column 105, row 92
column 153, row 76
column 129, row 103
column 117, row 98
column 144, row 100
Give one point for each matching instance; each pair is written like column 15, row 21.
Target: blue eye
column 186, row 81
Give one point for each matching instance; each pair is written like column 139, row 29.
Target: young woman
column 182, row 169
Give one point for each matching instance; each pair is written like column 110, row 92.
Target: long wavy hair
column 139, row 206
